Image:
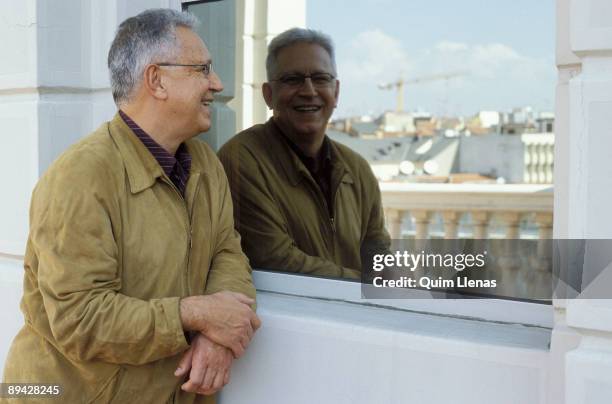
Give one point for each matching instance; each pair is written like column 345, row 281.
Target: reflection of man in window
column 303, row 202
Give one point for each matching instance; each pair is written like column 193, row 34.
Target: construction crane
column 399, row 84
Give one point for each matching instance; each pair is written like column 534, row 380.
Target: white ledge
column 489, row 310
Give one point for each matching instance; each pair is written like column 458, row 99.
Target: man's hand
column 224, row 317
column 209, row 363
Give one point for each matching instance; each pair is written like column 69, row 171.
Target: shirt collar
column 165, row 159
column 311, row 163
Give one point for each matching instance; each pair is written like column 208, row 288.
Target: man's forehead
column 299, row 55
column 192, row 46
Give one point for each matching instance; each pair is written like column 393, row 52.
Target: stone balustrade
column 515, row 211
column 539, row 157
column 508, row 203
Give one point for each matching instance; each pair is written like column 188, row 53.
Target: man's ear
column 153, row 82
column 266, row 90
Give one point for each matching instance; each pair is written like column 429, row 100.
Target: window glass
column 451, row 106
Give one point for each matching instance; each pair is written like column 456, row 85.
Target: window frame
column 480, row 309
column 342, row 290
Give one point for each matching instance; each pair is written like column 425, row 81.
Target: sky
column 503, row 48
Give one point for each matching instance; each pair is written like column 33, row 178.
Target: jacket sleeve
column 263, row 228
column 230, row 268
column 74, row 220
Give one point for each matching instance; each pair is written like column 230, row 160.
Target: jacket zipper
column 331, row 218
column 189, row 233
column 190, row 216
column 321, row 198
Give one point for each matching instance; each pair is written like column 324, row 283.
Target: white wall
column 316, row 351
column 501, row 155
column 584, row 56
column 54, row 89
column 11, row 279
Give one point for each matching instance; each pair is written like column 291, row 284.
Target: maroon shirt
column 176, row 167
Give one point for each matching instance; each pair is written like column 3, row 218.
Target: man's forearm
column 224, row 317
column 192, row 313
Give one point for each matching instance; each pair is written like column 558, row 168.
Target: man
column 303, row 202
column 132, row 248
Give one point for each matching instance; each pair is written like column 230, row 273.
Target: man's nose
column 215, row 82
column 307, row 87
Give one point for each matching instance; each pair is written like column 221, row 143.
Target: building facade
column 320, row 342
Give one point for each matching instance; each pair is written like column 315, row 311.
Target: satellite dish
column 425, row 147
column 431, row 167
column 406, row 167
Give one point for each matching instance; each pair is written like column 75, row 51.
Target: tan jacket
column 281, row 213
column 112, row 248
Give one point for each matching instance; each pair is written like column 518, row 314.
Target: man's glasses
column 296, row 80
column 205, row 69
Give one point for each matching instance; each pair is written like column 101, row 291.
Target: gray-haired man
column 132, row 244
column 303, row 203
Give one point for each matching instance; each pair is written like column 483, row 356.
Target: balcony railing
column 507, row 203
column 524, row 211
column 539, row 157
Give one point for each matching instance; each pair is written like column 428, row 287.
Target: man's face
column 302, row 111
column 190, row 91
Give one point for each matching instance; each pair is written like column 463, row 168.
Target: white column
column 451, row 223
column 258, row 21
column 18, row 114
column 512, row 221
column 480, row 222
column 421, row 221
column 563, row 338
column 543, row 259
column 394, row 218
column 584, row 187
column 54, row 89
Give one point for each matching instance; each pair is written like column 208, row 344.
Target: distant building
column 365, row 129
column 395, row 123
column 406, row 158
column 489, row 119
column 546, row 122
column 527, row 158
column 519, row 121
column 493, row 156
column 474, row 127
column 415, row 147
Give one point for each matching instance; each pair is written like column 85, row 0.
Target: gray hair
column 147, row 38
column 293, row 36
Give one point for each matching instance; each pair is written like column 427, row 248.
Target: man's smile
column 307, row 108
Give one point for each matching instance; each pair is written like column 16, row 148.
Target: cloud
column 448, row 46
column 374, row 54
column 498, row 76
column 482, row 61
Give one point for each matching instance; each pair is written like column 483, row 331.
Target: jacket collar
column 141, row 167
column 291, row 163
